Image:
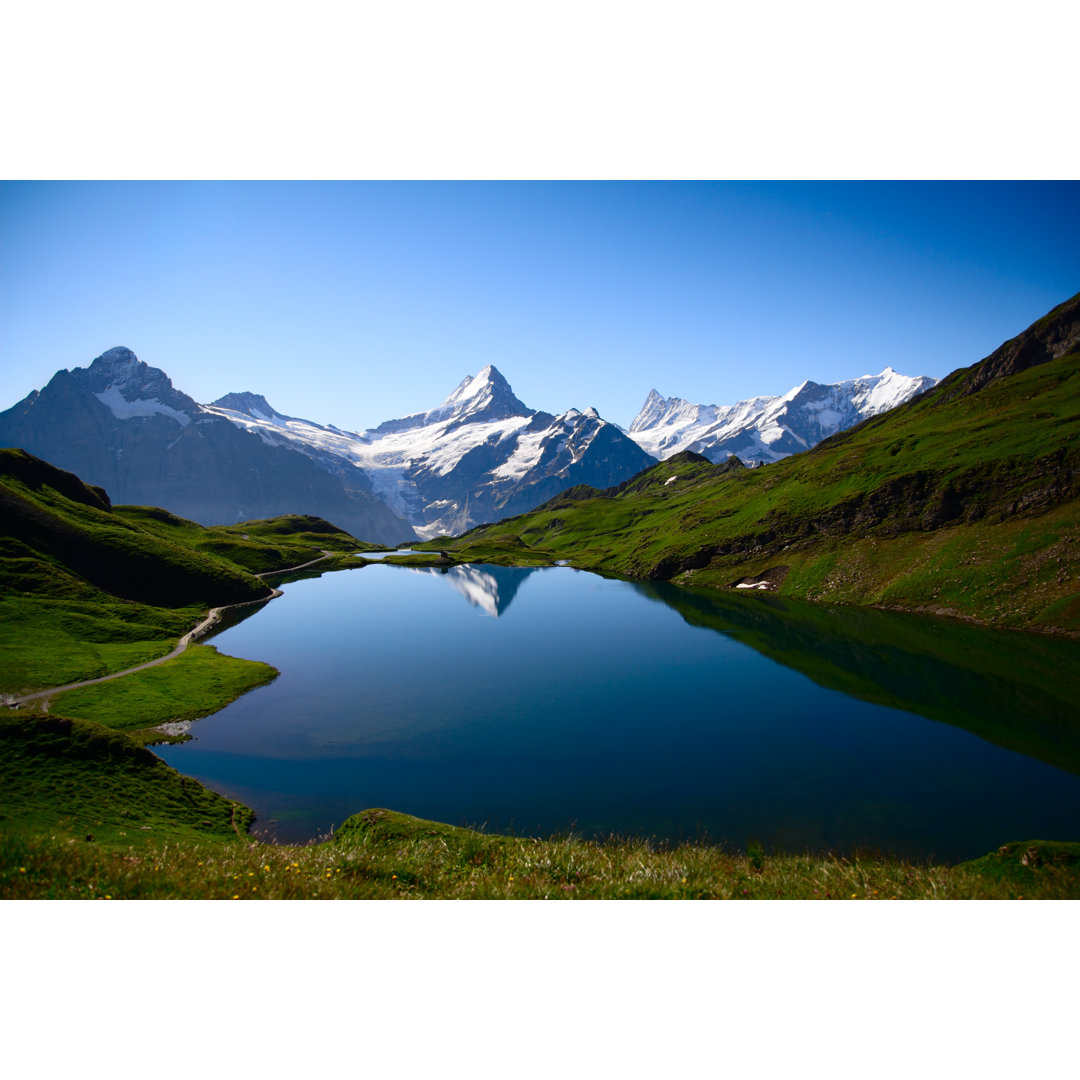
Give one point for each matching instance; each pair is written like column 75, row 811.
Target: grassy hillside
column 258, row 546
column 964, row 501
column 54, row 521
column 87, row 588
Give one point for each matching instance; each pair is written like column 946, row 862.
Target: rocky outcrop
column 1054, row 335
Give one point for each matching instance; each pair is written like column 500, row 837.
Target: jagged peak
column 116, row 360
column 247, row 402
column 485, row 390
column 130, row 388
column 487, row 378
column 483, row 396
column 656, row 406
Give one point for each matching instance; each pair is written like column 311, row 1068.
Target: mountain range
column 965, row 501
column 478, row 456
column 766, row 429
column 121, row 425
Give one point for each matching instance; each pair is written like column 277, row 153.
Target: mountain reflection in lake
column 608, row 707
column 490, row 588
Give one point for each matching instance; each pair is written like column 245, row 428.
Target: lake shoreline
column 739, row 865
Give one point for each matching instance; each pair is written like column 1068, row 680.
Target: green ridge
column 87, row 589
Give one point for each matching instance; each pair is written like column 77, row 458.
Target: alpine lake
column 548, row 701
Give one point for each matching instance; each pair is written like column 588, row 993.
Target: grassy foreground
column 85, row 813
column 381, row 855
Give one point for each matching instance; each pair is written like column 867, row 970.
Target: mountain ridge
column 764, row 428
column 958, row 503
column 480, row 454
column 122, row 425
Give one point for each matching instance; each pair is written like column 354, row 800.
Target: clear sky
column 352, row 303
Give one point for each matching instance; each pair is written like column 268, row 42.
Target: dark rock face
column 582, row 450
column 1054, row 335
column 123, row 426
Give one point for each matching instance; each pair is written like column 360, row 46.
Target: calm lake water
column 542, row 701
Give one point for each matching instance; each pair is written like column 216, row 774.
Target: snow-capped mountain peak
column 485, row 396
column 487, row 380
column 118, row 363
column 128, row 388
column 769, row 428
column 479, row 455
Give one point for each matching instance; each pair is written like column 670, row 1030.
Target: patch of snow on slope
column 112, row 398
column 444, row 448
column 530, row 448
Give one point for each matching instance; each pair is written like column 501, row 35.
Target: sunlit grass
column 86, row 813
column 381, row 855
column 198, row 682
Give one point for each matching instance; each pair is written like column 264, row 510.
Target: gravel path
column 181, row 645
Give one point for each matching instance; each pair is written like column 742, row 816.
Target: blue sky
column 351, row 303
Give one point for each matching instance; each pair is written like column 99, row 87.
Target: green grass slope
column 261, row 547
column 87, row 588
column 51, row 515
column 964, row 501
column 83, row 780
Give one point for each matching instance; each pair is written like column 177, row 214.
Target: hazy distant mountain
column 769, row 428
column 122, row 425
column 479, row 456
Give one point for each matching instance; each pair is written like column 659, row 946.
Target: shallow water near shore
column 544, row 701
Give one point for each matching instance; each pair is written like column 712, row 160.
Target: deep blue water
column 545, row 701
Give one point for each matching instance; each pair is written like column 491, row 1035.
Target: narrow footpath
column 211, row 618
